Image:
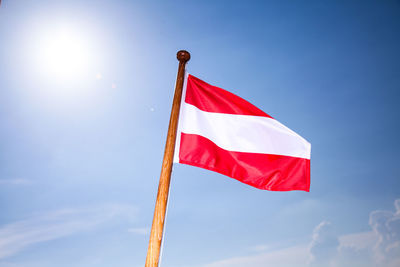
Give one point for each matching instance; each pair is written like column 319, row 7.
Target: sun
column 62, row 58
column 63, row 53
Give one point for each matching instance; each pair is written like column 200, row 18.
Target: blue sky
column 85, row 94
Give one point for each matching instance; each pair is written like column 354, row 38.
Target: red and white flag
column 222, row 132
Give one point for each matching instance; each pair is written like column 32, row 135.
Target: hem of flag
column 204, row 166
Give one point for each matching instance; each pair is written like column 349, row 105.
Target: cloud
column 361, row 240
column 379, row 247
column 288, row 257
column 260, row 248
column 16, row 236
column 324, row 244
column 346, row 251
column 386, row 226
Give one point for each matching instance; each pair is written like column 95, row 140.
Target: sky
column 86, row 89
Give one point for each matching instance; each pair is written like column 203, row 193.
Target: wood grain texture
column 153, row 252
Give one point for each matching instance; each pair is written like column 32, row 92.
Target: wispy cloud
column 16, row 236
column 288, row 257
column 386, row 226
column 323, row 248
column 260, row 248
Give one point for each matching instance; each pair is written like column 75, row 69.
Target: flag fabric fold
column 222, row 132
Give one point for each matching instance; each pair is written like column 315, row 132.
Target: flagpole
column 153, row 251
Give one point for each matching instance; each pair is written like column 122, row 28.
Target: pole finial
column 183, row 56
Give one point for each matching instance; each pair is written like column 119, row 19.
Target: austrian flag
column 222, row 132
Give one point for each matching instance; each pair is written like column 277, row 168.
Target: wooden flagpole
column 153, row 251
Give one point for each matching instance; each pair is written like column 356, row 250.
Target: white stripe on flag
column 243, row 133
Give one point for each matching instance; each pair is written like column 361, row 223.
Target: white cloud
column 397, row 206
column 261, row 248
column 288, row 257
column 349, row 251
column 361, row 240
column 377, row 248
column 16, row 236
column 386, row 226
column 324, row 244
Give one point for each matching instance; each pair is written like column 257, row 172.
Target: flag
column 222, row 132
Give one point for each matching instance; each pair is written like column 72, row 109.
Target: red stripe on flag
column 210, row 98
column 263, row 171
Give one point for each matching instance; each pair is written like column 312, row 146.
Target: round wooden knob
column 183, row 56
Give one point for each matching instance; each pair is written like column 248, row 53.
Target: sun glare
column 63, row 63
column 63, row 54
